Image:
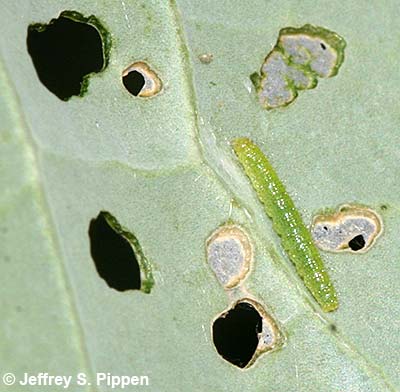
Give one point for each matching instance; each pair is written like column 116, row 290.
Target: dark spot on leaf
column 333, row 327
column 357, row 243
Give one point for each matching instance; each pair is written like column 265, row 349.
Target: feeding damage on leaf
column 351, row 229
column 118, row 256
column 140, row 80
column 300, row 56
column 245, row 331
column 67, row 51
column 229, row 254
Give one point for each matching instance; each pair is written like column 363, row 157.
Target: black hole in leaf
column 63, row 53
column 357, row 242
column 113, row 256
column 235, row 334
column 133, row 82
column 323, row 46
column 325, row 228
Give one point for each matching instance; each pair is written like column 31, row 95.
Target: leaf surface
column 164, row 168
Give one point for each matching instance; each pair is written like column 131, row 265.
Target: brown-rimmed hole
column 141, row 80
column 236, row 334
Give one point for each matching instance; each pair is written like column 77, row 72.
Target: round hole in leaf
column 357, row 243
column 134, row 82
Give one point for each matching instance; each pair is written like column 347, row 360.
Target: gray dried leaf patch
column 229, row 254
column 350, row 229
column 300, row 56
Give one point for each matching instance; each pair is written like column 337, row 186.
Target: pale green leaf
column 164, row 168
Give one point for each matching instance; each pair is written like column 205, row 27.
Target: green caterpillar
column 295, row 237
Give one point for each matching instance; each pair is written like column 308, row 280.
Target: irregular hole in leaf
column 245, row 331
column 357, row 242
column 235, row 334
column 140, row 80
column 229, row 254
column 67, row 50
column 118, row 256
column 352, row 228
